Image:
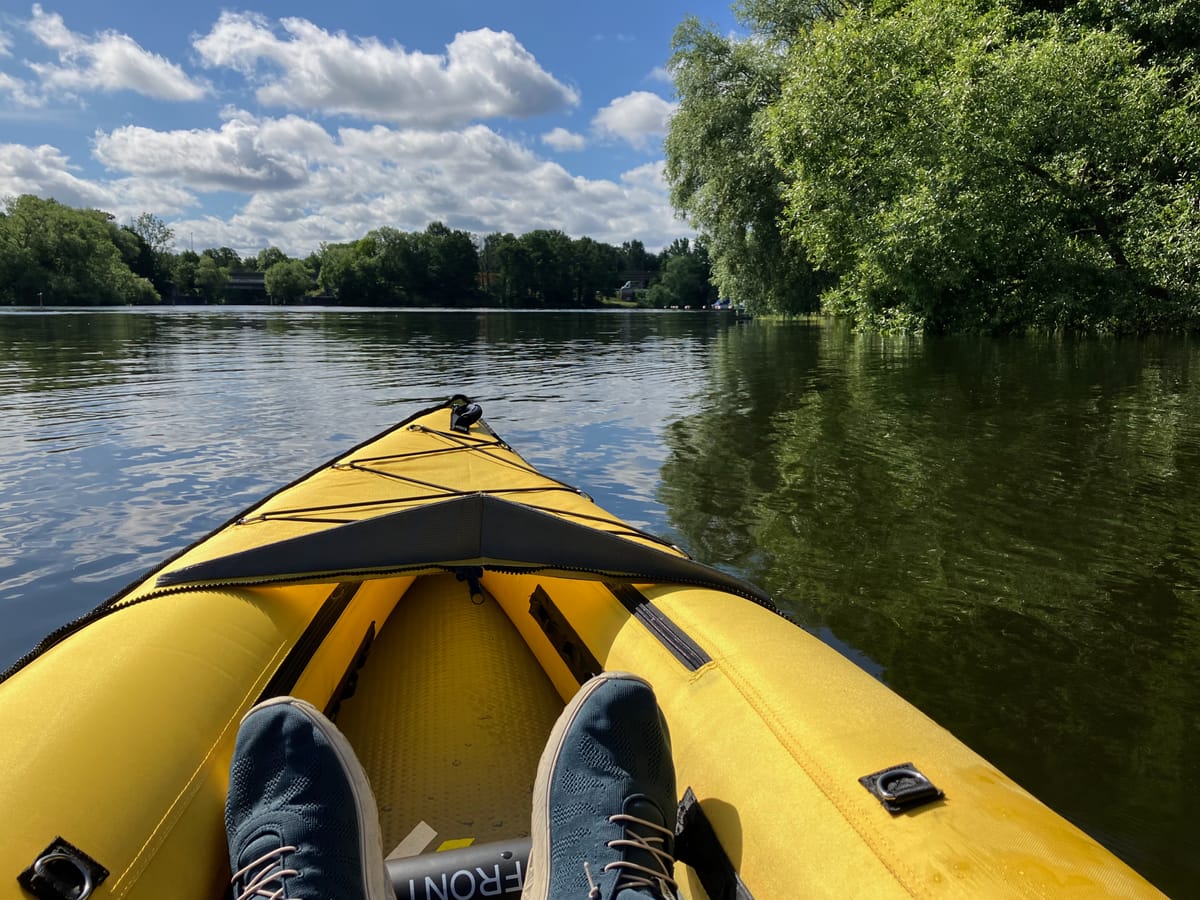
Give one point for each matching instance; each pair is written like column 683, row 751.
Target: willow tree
column 721, row 172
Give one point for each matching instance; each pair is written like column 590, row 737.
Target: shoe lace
column 267, row 879
column 653, row 844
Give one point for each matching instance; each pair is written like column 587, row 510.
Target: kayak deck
column 450, row 690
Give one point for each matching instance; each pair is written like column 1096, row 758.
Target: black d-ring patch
column 62, row 872
column 900, row 788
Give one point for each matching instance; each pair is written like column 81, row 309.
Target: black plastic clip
column 900, row 788
column 471, row 575
column 464, row 415
column 62, row 872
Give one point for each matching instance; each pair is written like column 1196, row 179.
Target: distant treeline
column 948, row 165
column 52, row 254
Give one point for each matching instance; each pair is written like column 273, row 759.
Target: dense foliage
column 50, row 253
column 722, row 173
column 950, row 164
column 53, row 254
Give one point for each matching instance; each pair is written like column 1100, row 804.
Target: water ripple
column 126, row 435
column 1003, row 531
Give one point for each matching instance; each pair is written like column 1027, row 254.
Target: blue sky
column 293, row 124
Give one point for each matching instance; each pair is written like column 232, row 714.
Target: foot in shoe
column 300, row 816
column 604, row 798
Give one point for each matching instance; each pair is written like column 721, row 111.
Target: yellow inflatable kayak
column 442, row 600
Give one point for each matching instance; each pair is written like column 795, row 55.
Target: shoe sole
column 377, row 885
column 537, row 873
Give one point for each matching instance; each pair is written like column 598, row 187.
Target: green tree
column 722, row 175
column 226, row 258
column 355, row 273
column 212, row 279
column 369, row 274
column 401, row 264
column 333, row 259
column 183, row 271
column 269, row 257
column 489, row 261
column 313, row 261
column 677, row 247
column 1165, row 31
column 594, row 270
column 960, row 166
column 684, row 281
column 779, row 23
column 287, row 281
column 154, row 261
column 58, row 255
column 634, row 258
column 514, row 266
column 134, row 251
column 155, row 232
column 549, row 255
column 452, row 262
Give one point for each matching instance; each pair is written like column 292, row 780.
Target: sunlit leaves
column 53, row 254
column 722, row 174
column 963, row 166
column 949, row 164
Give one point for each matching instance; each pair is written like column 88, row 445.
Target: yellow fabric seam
column 175, row 810
column 905, row 878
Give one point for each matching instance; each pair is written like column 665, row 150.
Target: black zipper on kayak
column 339, row 575
column 689, row 654
column 116, row 605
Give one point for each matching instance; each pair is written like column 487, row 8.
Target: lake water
column 1003, row 531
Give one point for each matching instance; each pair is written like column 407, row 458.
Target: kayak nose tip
column 463, row 416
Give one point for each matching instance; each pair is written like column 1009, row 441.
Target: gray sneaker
column 604, row 801
column 300, row 816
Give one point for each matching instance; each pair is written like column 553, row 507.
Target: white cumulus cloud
column 562, row 140
column 47, row 172
column 483, row 74
column 358, row 179
column 649, row 177
column 640, row 118
column 244, row 155
column 422, row 144
column 19, row 91
column 661, row 73
column 108, row 62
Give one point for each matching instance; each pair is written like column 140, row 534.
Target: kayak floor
column 449, row 719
